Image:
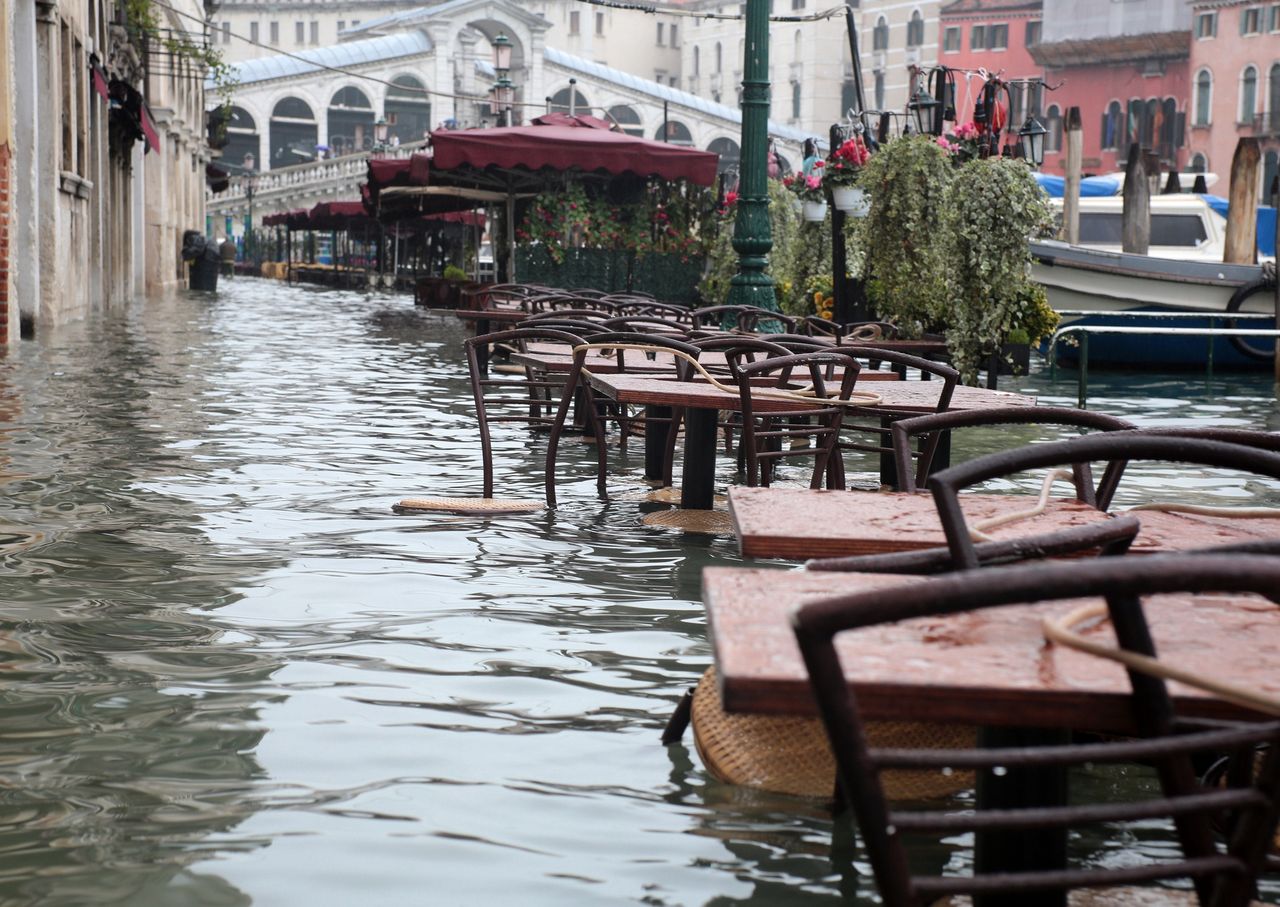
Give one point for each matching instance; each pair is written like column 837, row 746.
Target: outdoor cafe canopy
column 514, row 158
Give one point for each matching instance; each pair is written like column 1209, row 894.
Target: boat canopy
column 1266, row 222
column 1090, row 186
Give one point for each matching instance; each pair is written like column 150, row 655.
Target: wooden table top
column 989, row 667
column 555, row 359
column 802, row 523
column 899, row 397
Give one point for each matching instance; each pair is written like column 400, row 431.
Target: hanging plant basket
column 815, row 212
column 852, row 200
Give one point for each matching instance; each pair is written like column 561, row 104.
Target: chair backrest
column 618, row 342
column 1222, row 878
column 637, row 306
column 905, row 429
column 819, row 416
column 737, row 349
column 528, row 398
column 596, row 315
column 647, row 324
column 1116, row 447
column 1261, row 440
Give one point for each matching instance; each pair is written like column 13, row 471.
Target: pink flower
column 949, row 147
column 813, row 182
column 966, row 131
column 730, row 197
column 819, row 163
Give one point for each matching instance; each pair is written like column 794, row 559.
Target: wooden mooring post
column 1242, row 211
column 1135, row 221
column 1274, row 192
column 1071, row 190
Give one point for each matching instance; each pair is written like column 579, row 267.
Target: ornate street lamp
column 502, row 55
column 925, row 108
column 752, row 234
column 1031, row 136
column 501, row 98
column 503, row 94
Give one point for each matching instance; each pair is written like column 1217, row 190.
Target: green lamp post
column 752, row 235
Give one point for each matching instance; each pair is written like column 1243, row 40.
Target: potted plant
column 840, row 175
column 808, row 190
column 993, row 205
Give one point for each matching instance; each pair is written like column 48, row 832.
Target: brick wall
column 5, row 160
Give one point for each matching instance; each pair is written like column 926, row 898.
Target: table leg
column 697, row 485
column 655, row 441
column 1025, row 850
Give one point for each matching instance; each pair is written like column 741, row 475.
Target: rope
column 977, row 531
column 1213, row 510
column 863, row 398
column 1059, row 631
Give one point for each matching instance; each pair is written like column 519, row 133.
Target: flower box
column 814, row 212
column 852, row 200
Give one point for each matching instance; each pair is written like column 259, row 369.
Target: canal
column 232, row 675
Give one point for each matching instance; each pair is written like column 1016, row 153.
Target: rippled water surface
column 233, row 676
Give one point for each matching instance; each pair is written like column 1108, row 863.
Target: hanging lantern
column 924, row 108
column 1031, row 137
column 502, row 55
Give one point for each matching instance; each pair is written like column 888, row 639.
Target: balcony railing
column 350, row 169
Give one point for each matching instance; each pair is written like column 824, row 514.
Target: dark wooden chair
column 1116, row 448
column 1221, row 876
column 529, row 398
column 769, row 437
column 658, row 424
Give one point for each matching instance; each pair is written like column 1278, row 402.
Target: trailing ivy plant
column 722, row 258
column 901, row 241
column 809, row 268
column 143, row 20
column 991, row 208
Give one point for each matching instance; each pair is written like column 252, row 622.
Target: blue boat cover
column 1266, row 223
column 1090, row 186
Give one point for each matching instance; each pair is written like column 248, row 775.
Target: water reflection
column 234, row 675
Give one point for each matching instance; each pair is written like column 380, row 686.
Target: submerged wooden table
column 982, row 667
column 702, row 401
column 803, row 523
column 989, row 668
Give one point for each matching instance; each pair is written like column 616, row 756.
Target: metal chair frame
column 1221, row 878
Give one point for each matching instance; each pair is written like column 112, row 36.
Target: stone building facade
column 92, row 217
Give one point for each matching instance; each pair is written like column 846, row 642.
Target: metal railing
column 1210, row 333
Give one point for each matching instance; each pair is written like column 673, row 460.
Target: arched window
column 880, row 36
column 1270, row 167
column 730, row 154
column 915, row 30
column 719, row 58
column 242, row 139
column 797, row 54
column 795, row 100
column 1053, row 123
column 1248, row 94
column 1199, row 163
column 879, row 89
column 560, row 101
column 350, row 121
column 1167, row 128
column 293, row 134
column 1113, row 127
column 1204, row 97
column 628, row 119
column 408, row 109
column 696, row 56
column 677, row 133
column 1273, row 95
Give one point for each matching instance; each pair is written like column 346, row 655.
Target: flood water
column 232, row 675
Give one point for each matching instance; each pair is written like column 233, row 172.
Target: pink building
column 993, row 36
column 1129, row 88
column 1235, row 84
